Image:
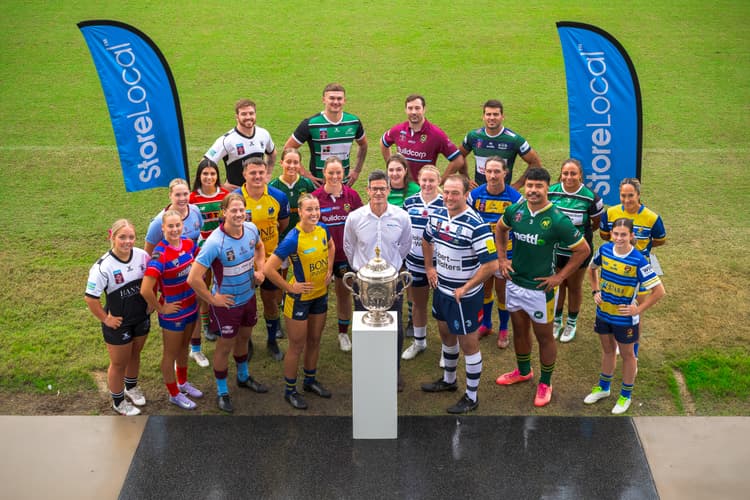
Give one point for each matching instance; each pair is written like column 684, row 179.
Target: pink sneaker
column 543, row 395
column 502, row 339
column 513, row 377
column 484, row 331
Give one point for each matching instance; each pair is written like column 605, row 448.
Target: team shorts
column 419, row 280
column 125, row 334
column 268, row 285
column 229, row 321
column 300, row 309
column 562, row 260
column 180, row 325
column 624, row 334
column 538, row 304
column 340, row 268
column 461, row 318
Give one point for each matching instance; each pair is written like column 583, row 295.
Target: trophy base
column 377, row 318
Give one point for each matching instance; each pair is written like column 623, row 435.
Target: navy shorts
column 461, row 318
column 300, row 309
column 125, row 334
column 268, row 285
column 340, row 268
column 623, row 334
column 418, row 279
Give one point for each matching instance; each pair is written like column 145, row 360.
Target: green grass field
column 62, row 184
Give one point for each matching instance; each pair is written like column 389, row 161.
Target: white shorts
column 538, row 304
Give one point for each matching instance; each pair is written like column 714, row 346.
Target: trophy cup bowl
column 377, row 289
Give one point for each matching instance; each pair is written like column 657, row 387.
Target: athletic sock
column 130, row 382
column 473, row 374
column 524, row 363
column 195, row 345
column 420, row 336
column 558, row 316
column 272, row 326
column 118, row 397
column 626, row 390
column 635, row 349
column 487, row 313
column 242, row 370
column 572, row 318
column 504, row 316
column 410, row 307
column 309, row 375
column 172, row 388
column 344, row 325
column 450, row 354
column 605, row 381
column 181, row 374
column 221, row 382
column 546, row 375
column 204, row 321
column 291, row 386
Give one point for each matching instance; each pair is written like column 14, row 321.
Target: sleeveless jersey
column 234, row 147
column 333, row 213
column 326, row 139
column 265, row 213
column 121, row 282
column 490, row 207
column 171, row 266
column 580, row 207
column 506, row 144
column 308, row 254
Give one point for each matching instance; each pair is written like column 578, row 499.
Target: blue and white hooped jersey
column 419, row 213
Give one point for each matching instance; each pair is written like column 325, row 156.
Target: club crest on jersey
column 240, row 149
column 546, row 223
column 423, row 138
column 479, row 143
column 347, row 207
column 271, row 210
column 230, row 255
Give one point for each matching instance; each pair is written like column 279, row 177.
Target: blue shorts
column 299, row 309
column 181, row 324
column 268, row 285
column 461, row 318
column 229, row 321
column 418, row 279
column 340, row 268
column 125, row 334
column 624, row 334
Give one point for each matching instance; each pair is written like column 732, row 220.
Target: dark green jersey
column 535, row 238
column 329, row 139
column 301, row 186
column 506, row 144
column 580, row 207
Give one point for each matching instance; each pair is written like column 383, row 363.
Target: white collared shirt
column 363, row 231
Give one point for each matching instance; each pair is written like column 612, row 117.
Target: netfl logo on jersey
column 531, row 239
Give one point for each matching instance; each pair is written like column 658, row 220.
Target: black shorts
column 562, row 260
column 125, row 334
column 300, row 309
column 268, row 285
column 623, row 334
column 340, row 268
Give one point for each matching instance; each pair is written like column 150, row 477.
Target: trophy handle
column 406, row 279
column 345, row 279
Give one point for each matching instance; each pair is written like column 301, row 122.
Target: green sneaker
column 597, row 393
column 622, row 405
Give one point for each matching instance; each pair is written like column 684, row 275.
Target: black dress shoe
column 225, row 403
column 464, row 405
column 439, row 386
column 318, row 389
column 253, row 385
column 296, row 400
column 274, row 351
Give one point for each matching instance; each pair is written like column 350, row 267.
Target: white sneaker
column 125, row 408
column 182, row 401
column 597, row 393
column 413, row 351
column 557, row 328
column 568, row 334
column 199, row 358
column 136, row 396
column 441, row 364
column 622, row 405
column 344, row 343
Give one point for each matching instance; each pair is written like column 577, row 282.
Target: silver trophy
column 377, row 289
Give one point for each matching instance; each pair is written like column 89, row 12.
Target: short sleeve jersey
column 293, row 191
column 397, row 196
column 461, row 245
column 308, row 254
column 491, row 207
column 234, row 147
column 333, row 213
column 265, row 213
column 620, row 278
column 121, row 282
column 419, row 212
column 191, row 226
column 171, row 266
column 327, row 139
column 536, row 235
column 506, row 144
column 422, row 147
column 210, row 208
column 232, row 262
column 580, row 207
column 647, row 226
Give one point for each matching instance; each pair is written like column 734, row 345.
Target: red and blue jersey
column 170, row 267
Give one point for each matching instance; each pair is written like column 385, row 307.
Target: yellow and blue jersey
column 265, row 213
column 647, row 226
column 308, row 255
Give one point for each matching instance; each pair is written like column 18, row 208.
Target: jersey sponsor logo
column 531, row 239
column 490, row 244
column 211, row 152
column 410, row 153
column 240, row 149
column 90, row 286
column 317, row 266
column 309, row 250
column 647, row 269
column 327, row 209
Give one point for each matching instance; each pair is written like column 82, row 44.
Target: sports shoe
column 502, row 339
column 439, row 385
column 126, row 408
column 296, row 400
column 344, row 343
column 597, row 393
column 464, row 405
column 252, row 384
column 543, row 394
column 135, row 395
column 182, row 401
column 413, row 351
column 188, row 389
column 484, row 331
column 199, row 358
column 224, row 402
column 317, row 388
column 568, row 333
column 557, row 328
column 273, row 349
column 513, row 377
column 622, row 405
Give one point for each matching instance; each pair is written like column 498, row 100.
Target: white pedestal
column 374, row 378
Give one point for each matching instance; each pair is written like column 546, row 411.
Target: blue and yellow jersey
column 308, row 255
column 620, row 278
column 647, row 226
column 491, row 207
column 265, row 213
